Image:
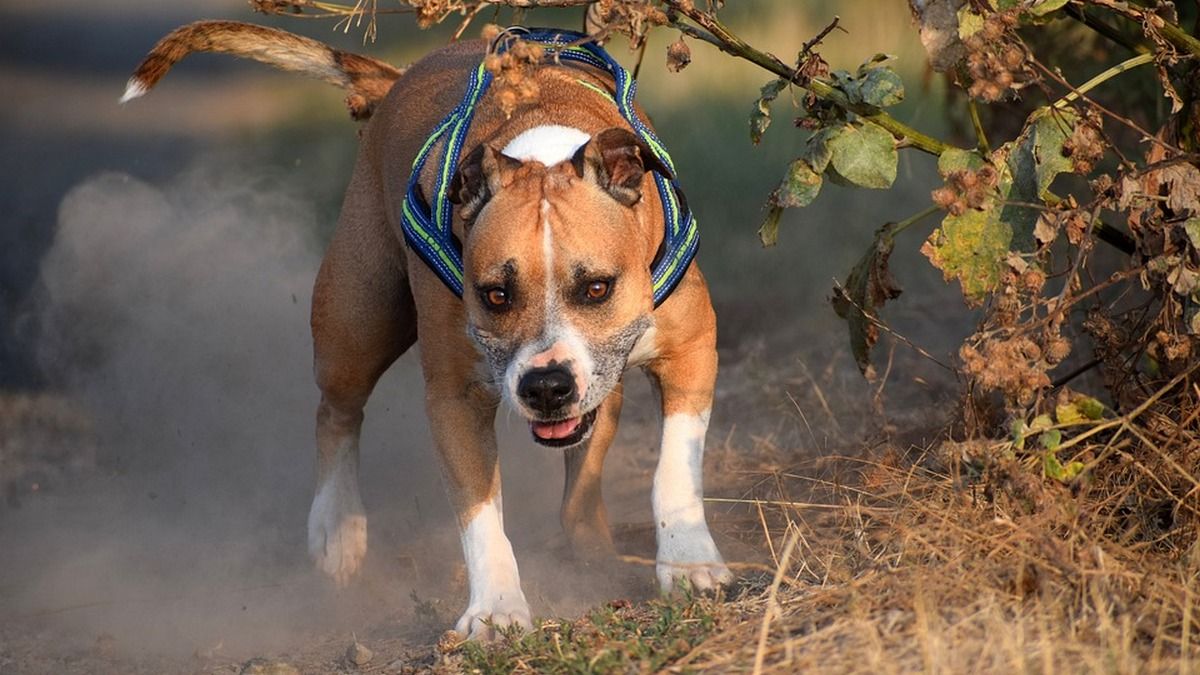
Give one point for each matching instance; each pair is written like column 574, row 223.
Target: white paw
column 337, row 533
column 688, row 556
column 482, row 619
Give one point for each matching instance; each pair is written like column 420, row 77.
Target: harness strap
column 427, row 228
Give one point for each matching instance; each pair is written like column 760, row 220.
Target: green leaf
column 864, row 155
column 1051, row 439
column 954, row 159
column 1067, row 413
column 1044, row 7
column 760, row 117
column 1090, row 407
column 868, row 287
column 768, row 232
column 799, row 187
column 1041, row 423
column 879, row 87
column 1019, row 430
column 1053, row 468
column 1079, row 410
column 817, row 151
column 1036, row 159
column 969, row 22
column 1192, row 227
column 971, row 249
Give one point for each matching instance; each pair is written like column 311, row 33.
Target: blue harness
column 427, row 228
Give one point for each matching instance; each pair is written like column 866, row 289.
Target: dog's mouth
column 563, row 433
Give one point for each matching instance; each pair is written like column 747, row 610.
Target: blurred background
column 156, row 261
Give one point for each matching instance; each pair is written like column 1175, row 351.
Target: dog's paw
column 689, row 557
column 337, row 535
column 697, row 575
column 482, row 620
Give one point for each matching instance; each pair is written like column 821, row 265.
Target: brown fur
column 367, row 80
column 686, row 367
column 373, row 296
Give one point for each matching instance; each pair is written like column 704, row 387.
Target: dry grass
column 961, row 558
column 958, row 557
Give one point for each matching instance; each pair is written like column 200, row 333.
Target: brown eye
column 595, row 291
column 496, row 298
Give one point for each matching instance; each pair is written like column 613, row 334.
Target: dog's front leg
column 686, row 550
column 463, row 418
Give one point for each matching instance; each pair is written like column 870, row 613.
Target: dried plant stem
column 772, row 604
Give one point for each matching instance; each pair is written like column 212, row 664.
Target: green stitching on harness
column 599, row 90
column 433, row 243
column 679, row 253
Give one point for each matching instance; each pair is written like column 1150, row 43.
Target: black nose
column 547, row 389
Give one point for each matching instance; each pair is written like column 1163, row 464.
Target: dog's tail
column 367, row 80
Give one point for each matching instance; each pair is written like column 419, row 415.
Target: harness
column 427, row 228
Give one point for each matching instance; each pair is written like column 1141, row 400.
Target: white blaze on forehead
column 548, row 144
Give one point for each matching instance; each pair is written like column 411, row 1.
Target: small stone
column 358, row 654
column 399, row 667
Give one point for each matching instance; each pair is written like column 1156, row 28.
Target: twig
column 1177, row 35
column 1104, row 29
column 725, row 40
column 1127, row 64
column 980, row 134
column 816, row 40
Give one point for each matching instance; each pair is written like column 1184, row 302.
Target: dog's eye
column 596, row 291
column 496, row 298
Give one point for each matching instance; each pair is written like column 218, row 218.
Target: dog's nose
column 547, row 389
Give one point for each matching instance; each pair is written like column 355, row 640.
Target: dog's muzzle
column 550, row 392
column 563, row 433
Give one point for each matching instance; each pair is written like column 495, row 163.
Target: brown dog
column 559, row 223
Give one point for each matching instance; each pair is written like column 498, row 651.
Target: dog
column 560, row 224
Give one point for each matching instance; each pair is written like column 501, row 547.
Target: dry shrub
column 961, row 558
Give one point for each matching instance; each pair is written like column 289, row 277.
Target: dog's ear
column 617, row 159
column 479, row 176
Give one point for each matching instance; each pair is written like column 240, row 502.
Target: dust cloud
column 176, row 315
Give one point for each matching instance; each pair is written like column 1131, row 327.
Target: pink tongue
column 555, row 430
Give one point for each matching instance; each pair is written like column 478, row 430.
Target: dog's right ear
column 480, row 175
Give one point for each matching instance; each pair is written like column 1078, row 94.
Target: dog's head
column 557, row 269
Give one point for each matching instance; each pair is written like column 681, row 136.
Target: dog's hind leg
column 363, row 319
column 583, row 516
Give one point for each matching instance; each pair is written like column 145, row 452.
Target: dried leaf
column 1046, row 229
column 1182, row 187
column 760, row 117
column 679, row 55
column 869, row 285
